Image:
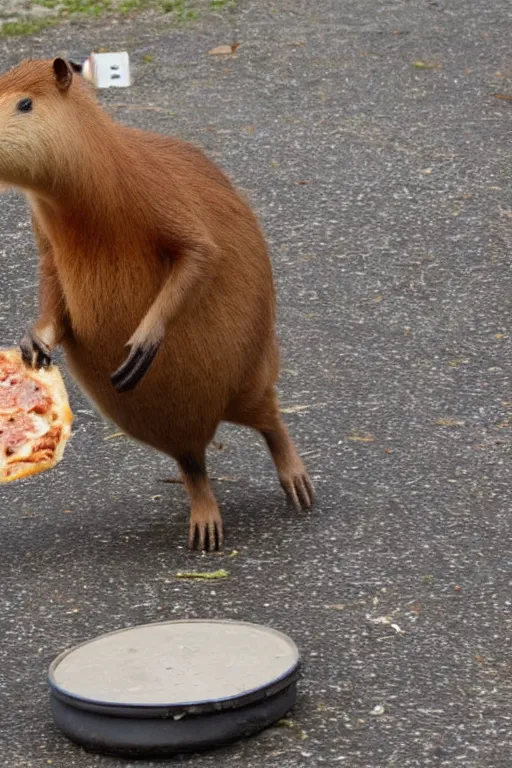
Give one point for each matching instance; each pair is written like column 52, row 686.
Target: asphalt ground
column 384, row 189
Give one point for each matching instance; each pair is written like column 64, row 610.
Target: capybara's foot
column 205, row 532
column 292, row 472
column 298, row 487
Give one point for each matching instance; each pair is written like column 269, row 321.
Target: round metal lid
column 177, row 665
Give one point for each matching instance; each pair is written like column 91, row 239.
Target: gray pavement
column 393, row 270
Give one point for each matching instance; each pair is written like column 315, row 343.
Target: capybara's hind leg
column 205, row 532
column 264, row 416
column 292, row 472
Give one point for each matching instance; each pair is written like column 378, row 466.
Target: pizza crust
column 42, row 437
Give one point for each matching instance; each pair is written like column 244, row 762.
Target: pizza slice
column 35, row 417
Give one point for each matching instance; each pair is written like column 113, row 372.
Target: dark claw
column 299, row 490
column 207, row 537
column 134, row 368
column 34, row 352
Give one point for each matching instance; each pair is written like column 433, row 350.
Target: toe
column 310, row 489
column 202, row 530
column 26, row 346
column 220, row 535
column 212, row 537
column 291, row 492
column 192, row 537
column 302, row 492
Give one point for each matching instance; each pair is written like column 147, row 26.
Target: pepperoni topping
column 17, row 393
column 13, row 432
column 8, row 399
column 32, row 398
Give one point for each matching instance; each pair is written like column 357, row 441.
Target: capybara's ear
column 63, row 74
column 76, row 67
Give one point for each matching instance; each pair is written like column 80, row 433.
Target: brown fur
column 143, row 240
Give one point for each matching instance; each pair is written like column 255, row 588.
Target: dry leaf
column 293, row 726
column 426, row 65
column 381, row 620
column 389, row 621
column 355, row 436
column 222, row 50
column 295, row 408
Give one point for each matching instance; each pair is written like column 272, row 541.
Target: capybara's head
column 41, row 108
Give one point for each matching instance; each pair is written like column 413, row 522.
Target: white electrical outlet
column 108, row 70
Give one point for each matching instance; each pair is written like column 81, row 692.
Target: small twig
column 140, row 108
column 114, row 435
column 225, row 479
column 222, row 574
column 502, row 96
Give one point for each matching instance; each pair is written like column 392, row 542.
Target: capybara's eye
column 25, row 105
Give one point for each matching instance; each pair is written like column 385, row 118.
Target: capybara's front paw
column 35, row 353
column 134, row 368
